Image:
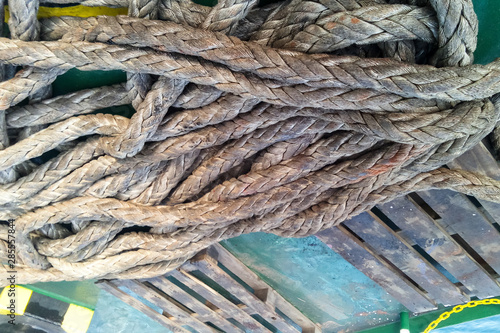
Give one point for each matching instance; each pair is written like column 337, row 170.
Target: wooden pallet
column 430, row 248
column 213, row 292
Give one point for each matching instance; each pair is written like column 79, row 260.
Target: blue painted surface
column 318, row 281
column 485, row 325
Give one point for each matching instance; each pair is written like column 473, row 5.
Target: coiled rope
column 288, row 118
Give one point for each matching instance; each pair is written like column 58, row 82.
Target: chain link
column 459, row 308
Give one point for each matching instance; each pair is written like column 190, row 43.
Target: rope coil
column 284, row 119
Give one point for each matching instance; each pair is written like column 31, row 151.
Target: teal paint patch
column 318, row 281
column 82, row 293
column 75, row 80
column 114, row 316
column 488, row 47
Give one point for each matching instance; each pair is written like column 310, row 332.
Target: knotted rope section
column 287, row 118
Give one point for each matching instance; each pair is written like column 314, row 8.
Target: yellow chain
column 459, row 308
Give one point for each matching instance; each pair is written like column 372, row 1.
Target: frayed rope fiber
column 287, row 118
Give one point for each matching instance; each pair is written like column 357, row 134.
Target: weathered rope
column 280, row 119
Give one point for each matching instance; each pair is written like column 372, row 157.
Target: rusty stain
column 394, row 161
column 354, row 20
column 365, row 314
column 380, row 312
column 381, row 168
column 378, row 169
column 330, row 25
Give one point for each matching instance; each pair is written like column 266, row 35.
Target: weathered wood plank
column 223, row 256
column 435, row 241
column 459, row 215
column 351, row 249
column 392, row 247
column 480, row 160
column 157, row 299
column 209, row 267
column 228, row 309
column 477, row 159
column 262, row 290
column 158, row 317
column 204, row 312
column 492, row 208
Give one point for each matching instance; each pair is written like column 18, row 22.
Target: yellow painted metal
column 81, row 11
column 77, row 319
column 16, row 298
column 459, row 308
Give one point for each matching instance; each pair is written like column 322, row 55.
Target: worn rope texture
column 276, row 119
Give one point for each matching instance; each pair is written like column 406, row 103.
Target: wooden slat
column 263, row 291
column 228, row 309
column 351, row 249
column 209, row 267
column 435, row 241
column 403, row 256
column 477, row 159
column 480, row 160
column 204, row 313
column 157, row 299
column 492, row 208
column 459, row 215
column 158, row 317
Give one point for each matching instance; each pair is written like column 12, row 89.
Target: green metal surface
column 419, row 323
column 488, row 45
column 405, row 320
column 74, row 80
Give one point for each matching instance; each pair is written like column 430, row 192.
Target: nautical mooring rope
column 287, row 118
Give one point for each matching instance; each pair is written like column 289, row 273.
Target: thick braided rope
column 457, row 32
column 226, row 13
column 147, row 118
column 23, row 22
column 233, row 136
column 62, row 107
column 24, row 25
column 222, row 18
column 333, row 29
column 422, row 81
column 336, row 175
column 289, row 67
column 440, row 179
column 138, row 85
